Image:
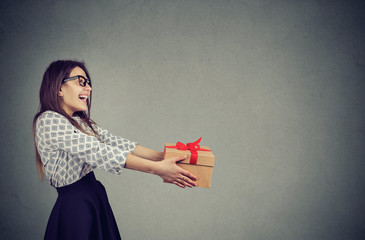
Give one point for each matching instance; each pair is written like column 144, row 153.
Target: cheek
column 71, row 92
column 70, row 97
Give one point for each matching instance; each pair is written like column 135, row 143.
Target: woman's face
column 73, row 96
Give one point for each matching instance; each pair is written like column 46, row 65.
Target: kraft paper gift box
column 199, row 162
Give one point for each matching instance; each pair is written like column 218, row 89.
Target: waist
column 85, row 182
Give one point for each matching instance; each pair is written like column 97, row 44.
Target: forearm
column 166, row 169
column 147, row 153
column 135, row 162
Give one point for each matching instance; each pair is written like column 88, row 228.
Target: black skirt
column 82, row 211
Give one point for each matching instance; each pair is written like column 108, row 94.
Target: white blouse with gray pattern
column 68, row 154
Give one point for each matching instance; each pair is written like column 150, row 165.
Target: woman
column 69, row 146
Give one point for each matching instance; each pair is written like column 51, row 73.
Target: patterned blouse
column 68, row 154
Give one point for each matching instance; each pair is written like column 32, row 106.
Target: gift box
column 200, row 160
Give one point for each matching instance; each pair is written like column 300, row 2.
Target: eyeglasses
column 82, row 80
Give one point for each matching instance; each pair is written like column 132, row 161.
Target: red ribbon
column 194, row 147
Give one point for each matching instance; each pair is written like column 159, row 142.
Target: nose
column 88, row 87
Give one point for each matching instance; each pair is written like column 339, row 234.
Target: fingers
column 176, row 183
column 187, row 181
column 178, row 158
column 179, row 184
column 182, row 181
column 189, row 175
column 178, row 175
column 183, row 171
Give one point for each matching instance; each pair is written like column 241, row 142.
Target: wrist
column 158, row 156
column 155, row 168
column 141, row 164
column 148, row 153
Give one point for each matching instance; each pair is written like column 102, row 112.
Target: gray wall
column 275, row 88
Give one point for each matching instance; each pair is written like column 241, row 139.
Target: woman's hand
column 171, row 173
column 167, row 169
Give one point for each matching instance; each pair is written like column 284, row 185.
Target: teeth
column 83, row 96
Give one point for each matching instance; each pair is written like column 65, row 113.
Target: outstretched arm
column 147, row 153
column 166, row 169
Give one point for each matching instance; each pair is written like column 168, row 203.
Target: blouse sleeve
column 54, row 131
column 106, row 137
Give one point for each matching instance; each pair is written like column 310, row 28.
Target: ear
column 60, row 93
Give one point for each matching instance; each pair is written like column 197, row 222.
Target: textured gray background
column 275, row 88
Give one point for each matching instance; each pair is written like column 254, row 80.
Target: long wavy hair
column 50, row 100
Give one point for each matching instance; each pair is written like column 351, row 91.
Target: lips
column 83, row 97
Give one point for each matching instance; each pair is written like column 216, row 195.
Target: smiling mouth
column 83, row 98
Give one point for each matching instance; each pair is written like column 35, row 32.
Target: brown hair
column 49, row 99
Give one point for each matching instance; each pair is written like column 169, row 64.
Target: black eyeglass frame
column 86, row 81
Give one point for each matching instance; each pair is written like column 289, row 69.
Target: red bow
column 193, row 147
